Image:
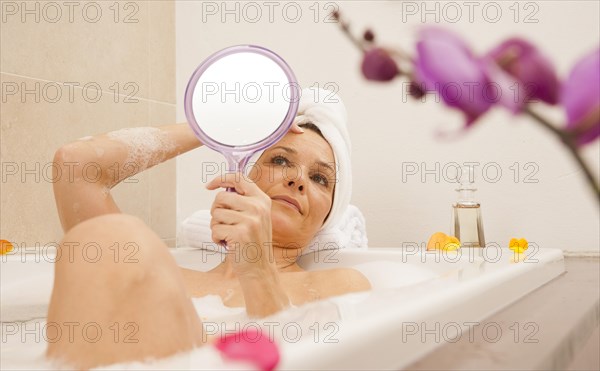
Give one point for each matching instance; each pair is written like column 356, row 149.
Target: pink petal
column 250, row 345
column 446, row 65
column 581, row 97
column 533, row 73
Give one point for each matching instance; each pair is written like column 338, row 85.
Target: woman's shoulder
column 337, row 281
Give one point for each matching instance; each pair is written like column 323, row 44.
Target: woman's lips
column 288, row 201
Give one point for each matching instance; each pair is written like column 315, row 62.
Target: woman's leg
column 118, row 296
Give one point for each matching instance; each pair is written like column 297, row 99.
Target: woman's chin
column 283, row 221
column 284, row 226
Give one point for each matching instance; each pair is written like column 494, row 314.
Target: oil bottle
column 466, row 213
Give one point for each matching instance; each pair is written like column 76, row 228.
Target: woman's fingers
column 296, row 129
column 229, row 180
column 230, row 234
column 250, row 206
column 225, row 181
column 222, row 232
column 227, row 200
column 224, row 216
column 237, row 181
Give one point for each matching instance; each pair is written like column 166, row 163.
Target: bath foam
column 216, row 316
column 219, row 319
column 288, row 326
column 147, row 146
column 30, row 355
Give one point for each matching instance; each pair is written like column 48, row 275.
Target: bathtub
column 419, row 301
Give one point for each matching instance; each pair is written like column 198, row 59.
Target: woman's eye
column 279, row 160
column 320, row 179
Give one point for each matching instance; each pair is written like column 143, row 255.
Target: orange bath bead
column 451, row 244
column 436, row 240
column 518, row 245
column 5, row 247
column 442, row 241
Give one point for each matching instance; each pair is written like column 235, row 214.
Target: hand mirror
column 241, row 100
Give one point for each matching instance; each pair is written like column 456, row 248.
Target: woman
column 141, row 304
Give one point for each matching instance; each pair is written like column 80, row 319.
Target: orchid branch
column 386, row 63
column 567, row 139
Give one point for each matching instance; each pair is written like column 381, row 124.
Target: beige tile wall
column 63, row 53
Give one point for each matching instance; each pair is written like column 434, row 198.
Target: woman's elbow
column 71, row 161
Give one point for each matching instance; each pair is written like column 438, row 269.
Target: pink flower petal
column 445, row 64
column 580, row 96
column 252, row 346
column 533, row 74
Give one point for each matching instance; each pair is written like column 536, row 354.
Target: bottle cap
column 467, row 184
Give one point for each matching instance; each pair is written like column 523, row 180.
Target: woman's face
column 299, row 169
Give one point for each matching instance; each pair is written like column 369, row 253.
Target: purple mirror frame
column 238, row 156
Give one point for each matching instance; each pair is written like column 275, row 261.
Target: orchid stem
column 346, row 30
column 569, row 142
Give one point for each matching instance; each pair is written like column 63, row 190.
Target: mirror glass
column 241, row 100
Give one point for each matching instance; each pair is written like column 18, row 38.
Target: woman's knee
column 106, row 224
column 119, row 247
column 115, row 254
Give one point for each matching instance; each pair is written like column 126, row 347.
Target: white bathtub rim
column 354, row 336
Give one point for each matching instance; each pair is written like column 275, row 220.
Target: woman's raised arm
column 86, row 169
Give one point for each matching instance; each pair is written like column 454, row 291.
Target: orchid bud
column 369, row 36
column 378, row 65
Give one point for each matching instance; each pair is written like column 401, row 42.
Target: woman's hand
column 243, row 220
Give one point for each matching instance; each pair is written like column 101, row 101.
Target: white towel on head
column 349, row 232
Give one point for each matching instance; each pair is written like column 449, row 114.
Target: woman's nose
column 296, row 183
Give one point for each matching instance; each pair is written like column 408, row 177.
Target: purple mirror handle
column 223, row 242
column 235, row 164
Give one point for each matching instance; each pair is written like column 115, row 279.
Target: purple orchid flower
column 580, row 96
column 523, row 74
column 378, row 65
column 445, row 64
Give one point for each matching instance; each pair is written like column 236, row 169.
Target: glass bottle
column 466, row 215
